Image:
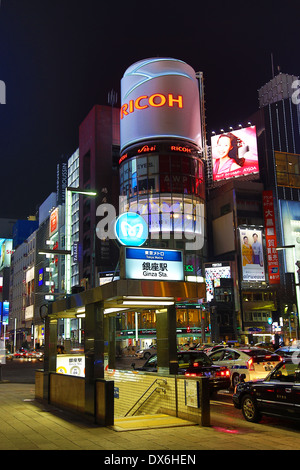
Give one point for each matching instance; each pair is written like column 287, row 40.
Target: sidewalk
column 26, row 424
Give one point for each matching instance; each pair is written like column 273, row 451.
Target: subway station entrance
column 100, row 307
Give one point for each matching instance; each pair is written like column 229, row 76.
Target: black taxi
column 277, row 395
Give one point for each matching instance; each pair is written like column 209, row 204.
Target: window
column 286, row 373
column 287, row 169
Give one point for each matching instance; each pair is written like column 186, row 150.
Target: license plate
column 268, row 367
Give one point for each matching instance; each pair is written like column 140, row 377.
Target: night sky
column 58, row 58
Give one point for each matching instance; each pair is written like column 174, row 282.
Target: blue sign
column 153, row 264
column 131, row 229
column 154, row 254
column 41, row 276
column 5, row 313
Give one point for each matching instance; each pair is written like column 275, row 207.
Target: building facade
column 99, row 140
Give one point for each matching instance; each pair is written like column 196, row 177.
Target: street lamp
column 293, row 247
column 68, row 230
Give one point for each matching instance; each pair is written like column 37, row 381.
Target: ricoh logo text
column 193, row 236
column 156, row 101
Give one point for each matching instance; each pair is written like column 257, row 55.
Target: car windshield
column 152, row 361
column 286, row 372
column 196, row 357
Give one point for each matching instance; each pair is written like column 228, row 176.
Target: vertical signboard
column 213, row 273
column 252, row 256
column 271, row 238
column 53, row 222
column 6, row 250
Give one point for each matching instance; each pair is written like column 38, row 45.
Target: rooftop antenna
column 112, row 96
column 272, row 63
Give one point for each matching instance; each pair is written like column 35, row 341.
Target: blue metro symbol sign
column 131, row 229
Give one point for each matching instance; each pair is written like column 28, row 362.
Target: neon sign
column 156, row 101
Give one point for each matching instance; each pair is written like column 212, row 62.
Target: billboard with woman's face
column 234, row 154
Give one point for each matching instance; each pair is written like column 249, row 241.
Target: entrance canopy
column 124, row 294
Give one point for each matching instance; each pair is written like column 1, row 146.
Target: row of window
column 256, row 316
column 162, row 173
column 169, row 213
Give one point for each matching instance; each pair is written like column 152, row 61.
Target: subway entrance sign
column 153, row 264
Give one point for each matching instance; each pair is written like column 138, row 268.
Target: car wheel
column 249, row 409
column 147, row 355
column 235, row 380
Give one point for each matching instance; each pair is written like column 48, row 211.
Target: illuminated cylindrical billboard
column 159, row 99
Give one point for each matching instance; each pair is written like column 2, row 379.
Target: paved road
column 20, row 370
column 33, row 426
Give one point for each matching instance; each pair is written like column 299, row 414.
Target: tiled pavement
column 26, row 424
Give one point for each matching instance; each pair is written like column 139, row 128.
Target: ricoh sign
column 159, row 99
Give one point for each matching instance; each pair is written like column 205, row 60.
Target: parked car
column 194, row 364
column 288, row 351
column 254, row 363
column 278, row 394
column 145, row 353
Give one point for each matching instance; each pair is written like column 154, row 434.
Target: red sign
column 271, row 239
column 53, row 221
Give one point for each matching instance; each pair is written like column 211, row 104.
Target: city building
column 254, row 205
column 99, row 147
column 278, row 131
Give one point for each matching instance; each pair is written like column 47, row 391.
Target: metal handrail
column 147, row 398
column 156, row 380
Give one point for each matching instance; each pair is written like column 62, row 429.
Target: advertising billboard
column 5, row 312
column 271, row 238
column 290, row 217
column 234, row 154
column 153, row 264
column 213, row 273
column 252, row 256
column 53, row 226
column 6, row 249
column 159, row 99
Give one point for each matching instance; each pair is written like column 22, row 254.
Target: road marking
column 220, row 403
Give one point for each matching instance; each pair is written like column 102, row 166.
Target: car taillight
column 250, row 364
column 190, row 374
column 223, row 373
